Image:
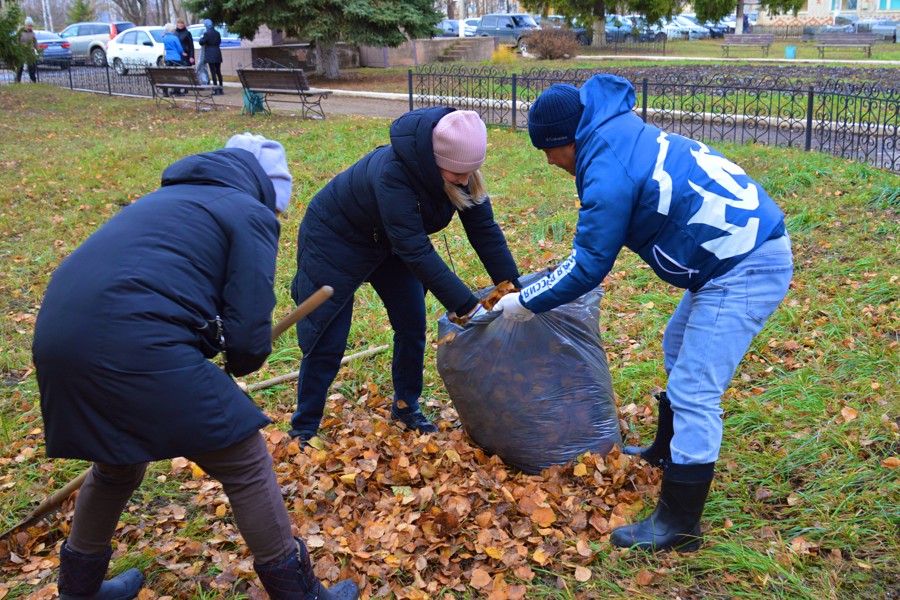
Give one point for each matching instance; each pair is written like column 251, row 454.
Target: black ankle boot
column 659, row 451
column 293, row 579
column 81, row 577
column 413, row 419
column 676, row 521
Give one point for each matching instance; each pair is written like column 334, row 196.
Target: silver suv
column 511, row 29
column 88, row 40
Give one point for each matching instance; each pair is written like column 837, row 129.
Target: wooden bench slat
column 181, row 78
column 861, row 41
column 760, row 40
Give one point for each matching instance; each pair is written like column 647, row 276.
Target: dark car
column 55, row 51
column 447, row 28
column 511, row 29
column 88, row 40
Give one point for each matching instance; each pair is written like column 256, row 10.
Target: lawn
column 806, row 501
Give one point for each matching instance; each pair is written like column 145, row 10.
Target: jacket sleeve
column 489, row 242
column 607, row 200
column 248, row 296
column 204, row 39
column 398, row 206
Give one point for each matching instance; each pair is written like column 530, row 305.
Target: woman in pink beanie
column 371, row 223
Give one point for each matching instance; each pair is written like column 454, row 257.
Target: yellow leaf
column 480, row 578
column 543, row 516
column 349, row 478
column 582, row 574
column 891, row 462
column 540, row 557
column 221, row 510
column 493, row 552
column 196, row 471
column 579, row 470
column 849, row 413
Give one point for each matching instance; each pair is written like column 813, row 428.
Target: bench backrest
column 185, row 76
column 749, row 38
column 846, row 38
column 289, row 80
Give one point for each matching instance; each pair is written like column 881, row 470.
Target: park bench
column 759, row 40
column 283, row 81
column 858, row 41
column 171, row 79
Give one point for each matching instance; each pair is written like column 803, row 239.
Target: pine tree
column 80, row 11
column 12, row 53
column 326, row 22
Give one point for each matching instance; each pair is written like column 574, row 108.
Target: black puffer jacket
column 389, row 202
column 210, row 41
column 128, row 320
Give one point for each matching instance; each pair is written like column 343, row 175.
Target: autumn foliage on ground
column 806, row 499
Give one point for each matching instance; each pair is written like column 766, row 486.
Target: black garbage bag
column 535, row 393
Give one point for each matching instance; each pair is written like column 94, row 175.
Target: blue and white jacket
column 689, row 212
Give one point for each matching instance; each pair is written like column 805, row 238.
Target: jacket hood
column 603, row 97
column 411, row 141
column 229, row 167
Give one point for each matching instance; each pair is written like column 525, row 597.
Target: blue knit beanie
column 554, row 116
column 208, row 23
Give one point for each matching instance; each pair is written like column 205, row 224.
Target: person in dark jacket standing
column 28, row 39
column 702, row 225
column 121, row 351
column 371, row 223
column 187, row 42
column 212, row 54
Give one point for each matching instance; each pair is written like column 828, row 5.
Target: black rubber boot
column 413, row 419
column 659, row 451
column 293, row 579
column 676, row 521
column 81, row 577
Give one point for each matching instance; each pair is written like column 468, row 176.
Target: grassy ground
column 806, row 503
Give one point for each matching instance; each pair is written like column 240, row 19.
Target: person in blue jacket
column 173, row 53
column 121, row 348
column 703, row 225
column 371, row 224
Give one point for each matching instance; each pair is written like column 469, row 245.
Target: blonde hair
column 476, row 195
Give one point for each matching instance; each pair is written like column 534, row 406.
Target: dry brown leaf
column 480, row 579
column 849, row 413
column 543, row 516
column 891, row 462
column 644, row 577
column 582, row 574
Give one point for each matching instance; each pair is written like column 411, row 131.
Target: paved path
column 341, row 102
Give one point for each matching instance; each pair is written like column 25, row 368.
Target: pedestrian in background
column 210, row 43
column 28, row 39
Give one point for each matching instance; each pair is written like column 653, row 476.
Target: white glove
column 512, row 309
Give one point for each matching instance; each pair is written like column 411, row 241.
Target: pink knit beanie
column 460, row 142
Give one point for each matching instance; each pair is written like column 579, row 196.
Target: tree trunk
column 327, row 64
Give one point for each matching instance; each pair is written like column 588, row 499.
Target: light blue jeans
column 706, row 338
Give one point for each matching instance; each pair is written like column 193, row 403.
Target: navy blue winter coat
column 389, row 202
column 129, row 319
column 210, row 42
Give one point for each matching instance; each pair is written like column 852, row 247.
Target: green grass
column 792, row 465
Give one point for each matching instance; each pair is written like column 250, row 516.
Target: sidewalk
column 340, row 102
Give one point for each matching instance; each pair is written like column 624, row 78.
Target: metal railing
column 858, row 121
column 131, row 80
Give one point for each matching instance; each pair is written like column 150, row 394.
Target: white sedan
column 137, row 47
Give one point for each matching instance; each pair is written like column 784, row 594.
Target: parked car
column 619, row 29
column 694, row 31
column 447, row 28
column 137, row 47
column 229, row 39
column 647, row 32
column 55, row 50
column 885, row 29
column 470, row 26
column 88, row 41
column 512, row 29
column 716, row 30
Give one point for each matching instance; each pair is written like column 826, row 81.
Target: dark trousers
column 215, row 73
column 246, row 474
column 403, row 296
column 32, row 72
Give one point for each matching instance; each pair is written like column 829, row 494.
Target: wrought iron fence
column 124, row 80
column 850, row 120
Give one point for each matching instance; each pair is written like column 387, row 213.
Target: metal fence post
column 108, row 80
column 409, row 82
column 513, row 101
column 809, row 118
column 644, row 100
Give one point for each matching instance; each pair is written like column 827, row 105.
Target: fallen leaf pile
column 501, row 289
column 402, row 514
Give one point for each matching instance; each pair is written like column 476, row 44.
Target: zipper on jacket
column 657, row 251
